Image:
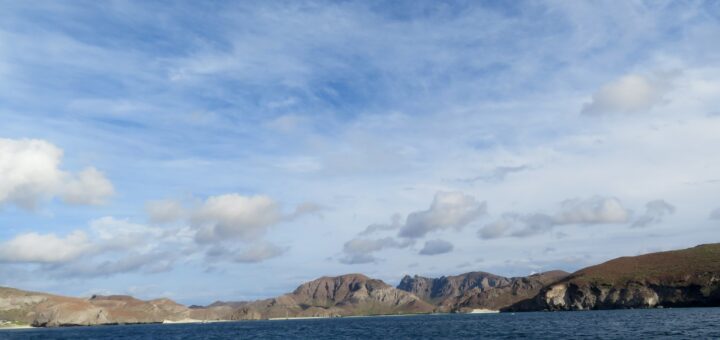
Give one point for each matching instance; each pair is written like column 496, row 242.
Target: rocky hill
column 436, row 290
column 477, row 290
column 345, row 295
column 352, row 294
column 47, row 310
column 681, row 278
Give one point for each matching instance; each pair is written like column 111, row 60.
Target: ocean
column 698, row 323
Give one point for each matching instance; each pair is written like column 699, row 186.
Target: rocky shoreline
column 682, row 278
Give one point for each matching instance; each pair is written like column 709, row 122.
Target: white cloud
column 89, row 187
column 654, row 213
column 45, row 248
column 631, row 93
column 436, row 247
column 31, row 173
column 221, row 220
column 360, row 250
column 594, row 210
column 358, row 259
column 362, row 245
column 448, row 210
column 591, row 211
column 147, row 263
column 119, row 234
column 533, row 224
column 235, row 217
column 232, row 216
column 259, row 252
column 496, row 229
column 109, row 246
column 373, row 228
column 164, row 211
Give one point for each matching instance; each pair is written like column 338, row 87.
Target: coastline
column 17, row 327
column 185, row 321
column 483, row 311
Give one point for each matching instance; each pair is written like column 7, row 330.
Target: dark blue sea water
column 698, row 323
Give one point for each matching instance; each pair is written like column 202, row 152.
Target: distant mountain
column 40, row 309
column 680, row 278
column 352, row 294
column 477, row 290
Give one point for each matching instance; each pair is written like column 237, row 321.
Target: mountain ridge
column 477, row 290
column 678, row 278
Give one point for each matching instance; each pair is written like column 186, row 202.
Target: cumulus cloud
column 108, row 246
column 360, row 250
column 591, row 211
column 358, row 259
column 655, row 211
column 227, row 217
column 259, row 253
column 448, row 210
column 360, row 245
column 233, row 216
column 436, row 247
column 379, row 227
column 496, row 229
column 148, row 263
column 533, row 224
column 89, row 187
column 630, row 93
column 164, row 211
column 594, row 210
column 31, row 173
column 120, row 234
column 45, row 248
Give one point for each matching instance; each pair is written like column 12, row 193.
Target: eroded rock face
column 126, row 309
column 477, row 290
column 438, row 289
column 568, row 296
column 683, row 278
column 69, row 313
column 352, row 294
column 47, row 310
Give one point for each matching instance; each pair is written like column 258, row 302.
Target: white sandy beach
column 484, row 311
column 192, row 321
column 15, row 327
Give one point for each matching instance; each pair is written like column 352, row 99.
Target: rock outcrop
column 477, row 290
column 681, row 278
column 47, row 310
column 39, row 309
column 352, row 294
column 439, row 289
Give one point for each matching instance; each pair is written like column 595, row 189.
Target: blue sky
column 231, row 150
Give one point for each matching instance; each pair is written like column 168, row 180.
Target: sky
column 218, row 150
